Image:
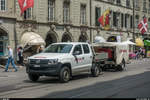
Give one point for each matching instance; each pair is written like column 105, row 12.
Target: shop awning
column 139, row 42
column 31, row 38
column 129, row 42
column 147, row 42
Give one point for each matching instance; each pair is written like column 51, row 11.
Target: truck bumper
column 44, row 70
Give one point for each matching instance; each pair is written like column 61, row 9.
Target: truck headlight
column 53, row 61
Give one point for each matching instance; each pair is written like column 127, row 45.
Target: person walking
column 137, row 54
column 10, row 59
column 20, row 55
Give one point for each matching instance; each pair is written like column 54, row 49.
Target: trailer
column 111, row 55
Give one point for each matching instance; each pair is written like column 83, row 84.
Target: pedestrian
column 20, row 55
column 40, row 49
column 143, row 53
column 140, row 53
column 137, row 54
column 10, row 59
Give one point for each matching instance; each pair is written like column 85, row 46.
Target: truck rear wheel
column 95, row 71
column 33, row 77
column 64, row 75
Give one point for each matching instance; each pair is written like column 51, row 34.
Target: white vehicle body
column 121, row 50
column 76, row 62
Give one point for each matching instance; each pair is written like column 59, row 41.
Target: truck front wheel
column 95, row 70
column 33, row 77
column 64, row 75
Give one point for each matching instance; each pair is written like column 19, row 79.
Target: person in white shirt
column 10, row 59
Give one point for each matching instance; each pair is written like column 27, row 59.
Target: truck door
column 77, row 59
column 87, row 57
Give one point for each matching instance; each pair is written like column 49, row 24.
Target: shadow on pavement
column 51, row 80
column 127, row 87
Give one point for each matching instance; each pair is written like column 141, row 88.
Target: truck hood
column 48, row 56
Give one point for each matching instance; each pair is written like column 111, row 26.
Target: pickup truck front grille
column 38, row 61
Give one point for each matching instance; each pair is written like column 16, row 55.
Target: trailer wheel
column 95, row 71
column 122, row 66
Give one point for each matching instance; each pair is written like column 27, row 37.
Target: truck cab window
column 77, row 48
column 86, row 49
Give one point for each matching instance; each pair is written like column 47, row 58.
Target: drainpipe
column 15, row 35
column 133, row 23
column 91, row 22
column 15, row 38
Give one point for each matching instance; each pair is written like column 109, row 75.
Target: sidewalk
column 11, row 73
column 139, row 60
column 10, row 68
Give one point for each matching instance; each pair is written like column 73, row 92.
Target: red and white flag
column 25, row 4
column 143, row 26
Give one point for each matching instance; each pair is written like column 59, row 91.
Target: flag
column 104, row 19
column 25, row 4
column 143, row 26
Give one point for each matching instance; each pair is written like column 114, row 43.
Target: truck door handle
column 90, row 56
column 83, row 58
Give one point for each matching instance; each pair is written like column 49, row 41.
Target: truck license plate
column 36, row 65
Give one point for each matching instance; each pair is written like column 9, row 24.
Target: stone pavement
column 11, row 72
column 139, row 61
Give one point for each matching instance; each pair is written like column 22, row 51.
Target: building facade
column 70, row 20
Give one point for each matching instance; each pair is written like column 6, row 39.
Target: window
column 2, row 5
column 149, row 7
column 115, row 19
column 86, row 49
column 149, row 23
column 66, row 12
column 137, row 3
column 83, row 14
column 1, row 48
column 136, row 20
column 128, row 3
column 149, row 4
column 97, row 15
column 131, row 21
column 28, row 13
column 78, row 48
column 126, row 20
column 118, row 2
column 144, row 6
column 51, row 10
column 58, row 48
column 122, row 20
column 111, row 1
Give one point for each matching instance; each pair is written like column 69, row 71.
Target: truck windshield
column 58, row 48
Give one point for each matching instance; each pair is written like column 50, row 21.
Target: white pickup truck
column 62, row 60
